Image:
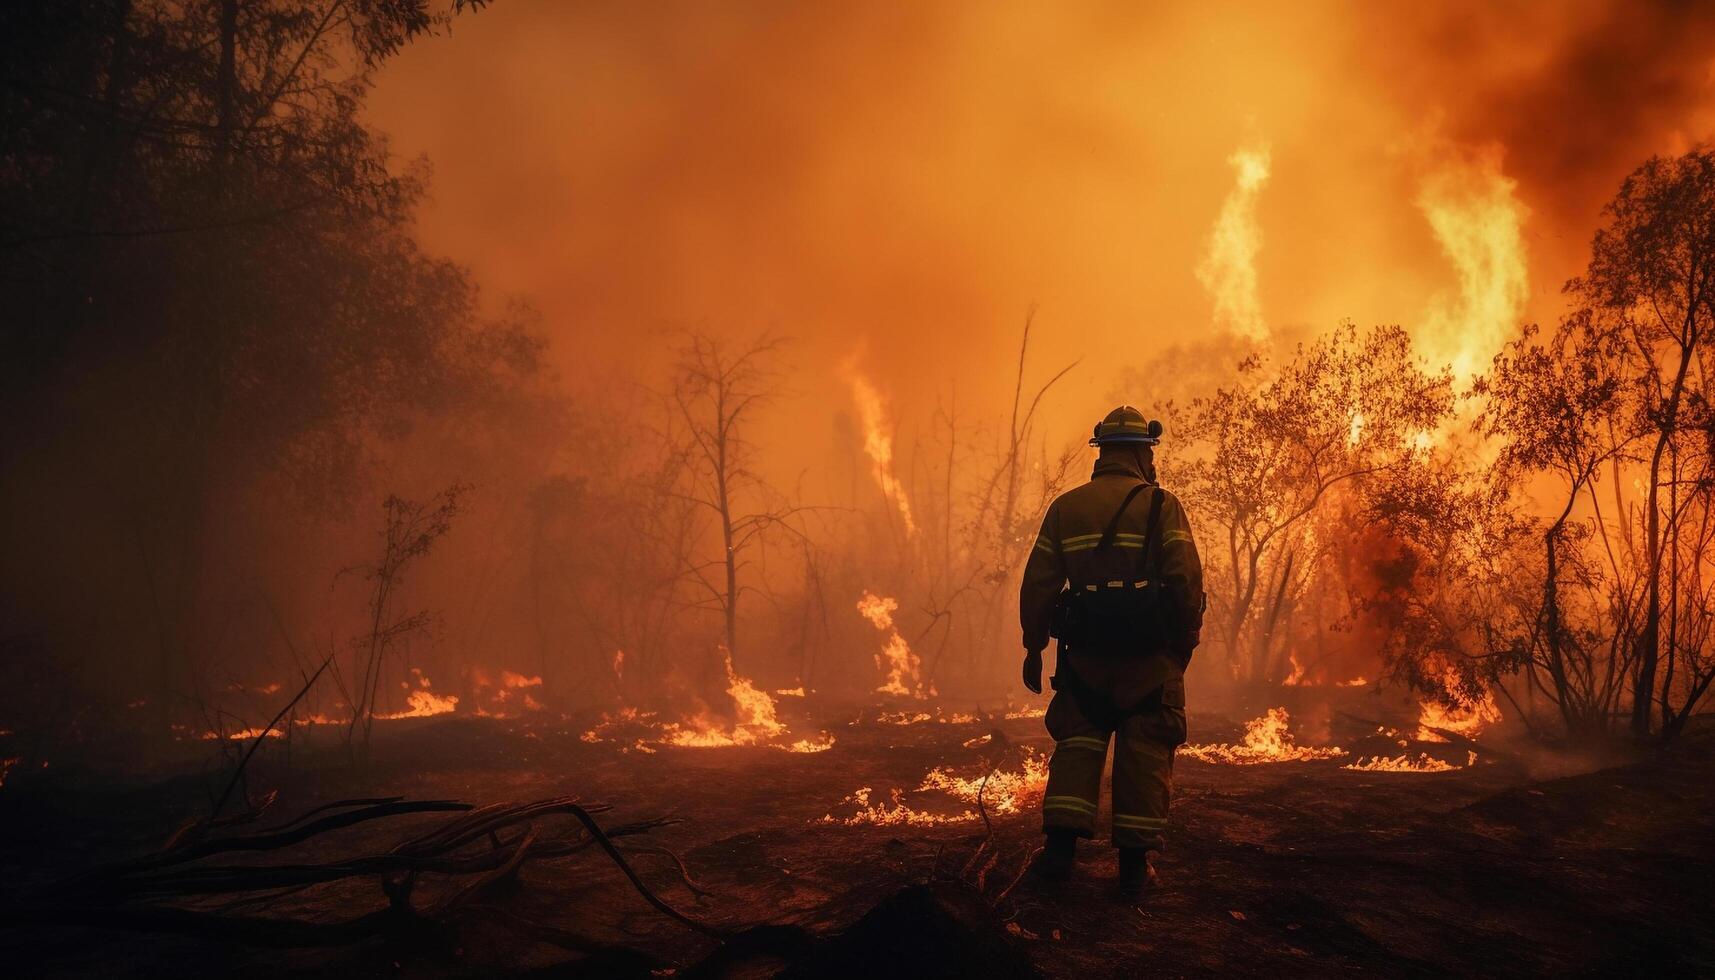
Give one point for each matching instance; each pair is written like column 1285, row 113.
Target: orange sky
column 900, row 181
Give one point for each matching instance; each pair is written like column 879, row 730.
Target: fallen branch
column 478, row 849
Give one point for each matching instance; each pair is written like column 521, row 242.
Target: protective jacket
column 1065, row 553
column 1136, row 702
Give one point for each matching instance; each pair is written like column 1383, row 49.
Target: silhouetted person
column 1115, row 576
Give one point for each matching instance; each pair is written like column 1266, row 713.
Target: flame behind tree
column 896, row 660
column 878, row 445
column 1477, row 219
column 1228, row 269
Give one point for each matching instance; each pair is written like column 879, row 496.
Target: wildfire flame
column 1465, row 717
column 755, row 722
column 1266, row 740
column 512, row 690
column 1471, row 207
column 422, row 702
column 896, row 660
column 919, row 717
column 1005, row 792
column 878, row 445
column 1401, row 763
column 1228, row 269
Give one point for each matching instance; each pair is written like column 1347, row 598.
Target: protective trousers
column 1143, row 765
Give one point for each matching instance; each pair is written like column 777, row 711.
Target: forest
column 300, row 514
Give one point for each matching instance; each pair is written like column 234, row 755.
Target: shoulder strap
column 1114, row 524
column 1152, row 538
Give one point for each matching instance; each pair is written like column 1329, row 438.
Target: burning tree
column 1453, row 590
column 1622, row 388
column 1348, row 406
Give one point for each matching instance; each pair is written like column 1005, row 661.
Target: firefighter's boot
column 1137, row 872
column 1055, row 861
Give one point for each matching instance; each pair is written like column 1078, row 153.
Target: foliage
column 1349, row 405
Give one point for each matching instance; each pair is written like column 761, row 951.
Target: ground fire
column 859, row 490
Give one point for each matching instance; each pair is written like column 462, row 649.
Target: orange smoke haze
column 911, row 177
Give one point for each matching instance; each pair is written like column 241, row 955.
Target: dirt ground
column 1521, row 864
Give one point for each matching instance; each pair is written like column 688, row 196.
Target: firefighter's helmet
column 1126, row 424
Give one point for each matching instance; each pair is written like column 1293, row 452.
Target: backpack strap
column 1152, row 539
column 1114, row 524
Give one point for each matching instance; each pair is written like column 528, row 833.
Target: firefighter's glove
column 1033, row 671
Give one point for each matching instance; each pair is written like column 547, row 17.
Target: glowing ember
column 1266, row 740
column 6, row 767
column 902, row 667
column 791, row 692
column 1355, row 682
column 878, row 445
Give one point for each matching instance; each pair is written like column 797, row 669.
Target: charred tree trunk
column 226, row 91
column 1643, row 692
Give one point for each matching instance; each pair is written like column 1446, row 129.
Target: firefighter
column 1115, row 576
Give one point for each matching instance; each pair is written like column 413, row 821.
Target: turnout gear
column 1119, row 675
column 1106, row 620
column 1055, row 861
column 1137, row 872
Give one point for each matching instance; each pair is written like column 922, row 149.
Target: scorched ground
column 1310, row 862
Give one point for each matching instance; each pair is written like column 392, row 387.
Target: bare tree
column 717, row 389
column 409, row 532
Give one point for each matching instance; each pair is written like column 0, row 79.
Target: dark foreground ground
column 1508, row 867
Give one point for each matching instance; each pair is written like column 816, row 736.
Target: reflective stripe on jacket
column 1075, row 521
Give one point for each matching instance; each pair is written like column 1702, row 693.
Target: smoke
column 1575, row 94
column 1228, row 269
column 912, row 178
